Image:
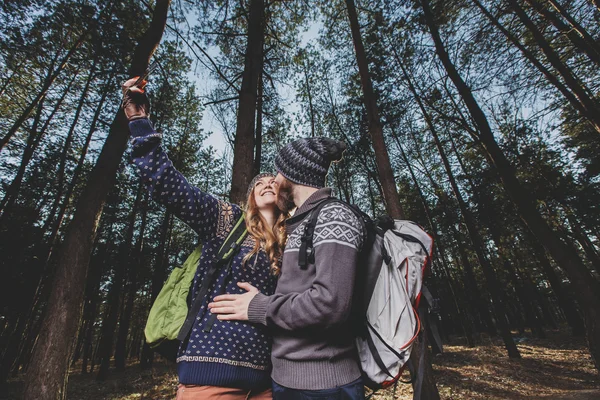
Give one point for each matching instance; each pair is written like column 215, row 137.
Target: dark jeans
column 351, row 391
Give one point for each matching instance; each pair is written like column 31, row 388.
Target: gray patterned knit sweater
column 313, row 347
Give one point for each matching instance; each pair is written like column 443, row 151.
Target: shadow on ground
column 156, row 383
column 556, row 368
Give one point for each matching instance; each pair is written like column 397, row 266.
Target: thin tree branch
column 222, row 100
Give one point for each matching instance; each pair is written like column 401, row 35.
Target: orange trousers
column 193, row 392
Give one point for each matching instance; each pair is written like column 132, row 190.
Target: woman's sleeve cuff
column 141, row 127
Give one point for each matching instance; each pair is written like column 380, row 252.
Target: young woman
column 228, row 360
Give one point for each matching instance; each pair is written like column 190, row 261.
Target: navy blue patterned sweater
column 233, row 354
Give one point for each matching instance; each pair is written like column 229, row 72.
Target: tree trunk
column 158, row 279
column 583, row 239
column 34, row 141
column 535, row 294
column 574, row 36
column 134, row 265
column 382, row 158
column 48, row 373
column 109, row 322
column 48, row 81
column 590, row 41
column 13, row 343
column 474, row 298
column 12, row 191
column 15, row 72
column 311, row 108
column 573, row 100
column 243, row 154
column 259, row 127
column 492, row 281
column 585, row 286
column 487, row 214
column 93, row 293
column 122, row 266
column 55, row 226
column 32, row 333
column 464, row 321
column 525, row 298
column 478, row 246
column 363, row 157
column 564, row 300
column 41, row 289
column 565, row 72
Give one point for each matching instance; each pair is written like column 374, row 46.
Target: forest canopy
column 479, row 120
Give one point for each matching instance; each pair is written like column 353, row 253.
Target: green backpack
column 170, row 319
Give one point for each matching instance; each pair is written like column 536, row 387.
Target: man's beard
column 285, row 197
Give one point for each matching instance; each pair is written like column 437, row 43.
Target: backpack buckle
column 310, row 255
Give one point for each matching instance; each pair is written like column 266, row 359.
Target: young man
column 314, row 353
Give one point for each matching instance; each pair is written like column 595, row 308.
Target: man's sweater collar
column 308, row 205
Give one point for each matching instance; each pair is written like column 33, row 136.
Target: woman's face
column 265, row 192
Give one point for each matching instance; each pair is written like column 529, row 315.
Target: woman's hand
column 135, row 101
column 233, row 306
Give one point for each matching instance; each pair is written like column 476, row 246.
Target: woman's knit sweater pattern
column 232, row 354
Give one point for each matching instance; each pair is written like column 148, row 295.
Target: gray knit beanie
column 256, row 179
column 306, row 161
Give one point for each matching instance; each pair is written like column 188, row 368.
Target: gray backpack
column 387, row 294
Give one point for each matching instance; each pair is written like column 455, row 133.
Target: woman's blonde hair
column 271, row 239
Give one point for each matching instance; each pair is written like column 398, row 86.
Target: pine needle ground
column 558, row 367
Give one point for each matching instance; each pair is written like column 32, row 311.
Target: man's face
column 285, row 198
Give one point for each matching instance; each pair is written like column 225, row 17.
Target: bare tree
column 48, row 373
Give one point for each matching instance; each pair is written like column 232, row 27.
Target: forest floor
column 558, row 367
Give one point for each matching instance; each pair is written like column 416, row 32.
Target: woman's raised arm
column 201, row 211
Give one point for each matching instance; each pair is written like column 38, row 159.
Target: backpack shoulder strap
column 234, row 239
column 306, row 255
column 432, row 323
column 228, row 249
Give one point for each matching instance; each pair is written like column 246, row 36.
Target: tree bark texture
column 243, row 151
column 382, row 158
column 47, row 374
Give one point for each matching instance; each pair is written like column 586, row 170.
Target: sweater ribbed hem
column 257, row 309
column 216, row 374
column 141, row 127
column 315, row 375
